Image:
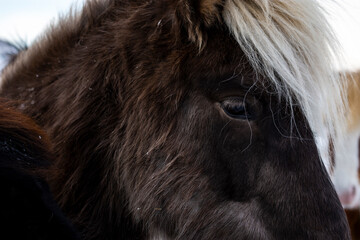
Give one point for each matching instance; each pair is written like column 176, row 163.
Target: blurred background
column 26, row 19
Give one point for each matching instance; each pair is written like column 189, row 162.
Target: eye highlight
column 236, row 108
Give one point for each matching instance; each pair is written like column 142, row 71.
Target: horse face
column 250, row 149
column 226, row 147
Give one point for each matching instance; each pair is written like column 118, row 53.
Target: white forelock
column 290, row 42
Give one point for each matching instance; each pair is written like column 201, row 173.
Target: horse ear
column 197, row 15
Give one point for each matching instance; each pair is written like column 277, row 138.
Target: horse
column 28, row 209
column 188, row 119
column 346, row 176
column 346, row 171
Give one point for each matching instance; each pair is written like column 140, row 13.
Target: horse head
column 188, row 119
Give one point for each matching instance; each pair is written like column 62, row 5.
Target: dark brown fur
column 143, row 146
column 353, row 216
column 27, row 207
column 24, row 129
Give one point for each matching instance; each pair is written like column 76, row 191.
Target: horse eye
column 236, row 108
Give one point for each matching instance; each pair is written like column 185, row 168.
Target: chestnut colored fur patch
column 354, row 101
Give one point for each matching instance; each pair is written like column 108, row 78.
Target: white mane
column 291, row 43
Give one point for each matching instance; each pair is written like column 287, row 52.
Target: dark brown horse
column 188, row 119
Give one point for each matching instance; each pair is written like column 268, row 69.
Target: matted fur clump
column 188, row 119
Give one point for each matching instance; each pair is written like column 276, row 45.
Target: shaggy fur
column 28, row 210
column 172, row 120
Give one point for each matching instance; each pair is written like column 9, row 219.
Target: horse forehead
column 222, row 60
